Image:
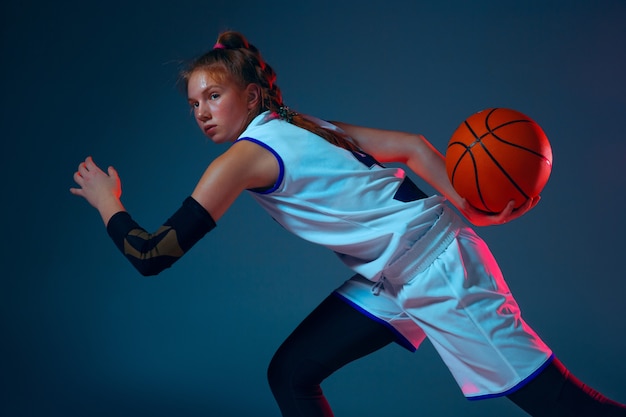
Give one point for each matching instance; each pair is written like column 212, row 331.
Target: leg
column 333, row 335
column 557, row 393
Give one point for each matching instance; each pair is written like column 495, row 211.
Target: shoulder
column 243, row 166
column 254, row 164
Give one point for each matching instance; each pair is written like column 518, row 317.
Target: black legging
column 335, row 334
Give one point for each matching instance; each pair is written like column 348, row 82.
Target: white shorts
column 461, row 302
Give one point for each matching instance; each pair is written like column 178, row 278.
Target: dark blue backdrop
column 84, row 335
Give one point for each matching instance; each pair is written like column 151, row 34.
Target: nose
column 202, row 112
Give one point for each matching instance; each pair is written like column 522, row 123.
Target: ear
column 254, row 96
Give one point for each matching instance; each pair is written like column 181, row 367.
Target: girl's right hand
column 481, row 218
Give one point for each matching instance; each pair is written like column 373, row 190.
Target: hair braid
column 235, row 58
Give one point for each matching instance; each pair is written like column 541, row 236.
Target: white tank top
column 366, row 213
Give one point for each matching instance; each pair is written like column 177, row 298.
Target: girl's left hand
column 102, row 190
column 481, row 218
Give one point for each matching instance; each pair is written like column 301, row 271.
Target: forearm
column 151, row 253
column 430, row 165
column 416, row 152
column 413, row 150
column 109, row 208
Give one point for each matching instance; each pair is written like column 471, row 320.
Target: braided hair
column 234, row 58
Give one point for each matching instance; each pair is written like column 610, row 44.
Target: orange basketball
column 498, row 155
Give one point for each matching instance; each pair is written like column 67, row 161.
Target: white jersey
column 346, row 201
column 434, row 276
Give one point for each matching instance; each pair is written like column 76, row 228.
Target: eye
column 214, row 96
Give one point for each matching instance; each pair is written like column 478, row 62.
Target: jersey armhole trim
column 281, row 166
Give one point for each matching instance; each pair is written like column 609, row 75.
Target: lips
column 209, row 129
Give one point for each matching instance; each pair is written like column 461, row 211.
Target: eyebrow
column 205, row 89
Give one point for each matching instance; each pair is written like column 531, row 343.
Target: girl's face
column 221, row 108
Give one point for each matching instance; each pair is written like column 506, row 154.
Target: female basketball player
column 420, row 272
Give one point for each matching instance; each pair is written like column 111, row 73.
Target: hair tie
column 286, row 113
column 219, row 46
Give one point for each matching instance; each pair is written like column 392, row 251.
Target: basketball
column 498, row 155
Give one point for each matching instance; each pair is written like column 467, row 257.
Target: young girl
column 420, row 272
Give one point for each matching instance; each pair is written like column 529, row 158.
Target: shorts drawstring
column 379, row 285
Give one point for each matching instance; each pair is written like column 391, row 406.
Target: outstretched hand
column 481, row 218
column 102, row 190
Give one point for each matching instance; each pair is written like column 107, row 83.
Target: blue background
column 84, row 335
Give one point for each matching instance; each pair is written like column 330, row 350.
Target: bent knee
column 296, row 374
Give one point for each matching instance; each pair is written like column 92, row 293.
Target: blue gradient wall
column 84, row 335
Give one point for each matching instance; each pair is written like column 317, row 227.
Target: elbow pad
column 151, row 253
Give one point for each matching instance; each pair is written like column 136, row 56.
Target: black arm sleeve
column 151, row 253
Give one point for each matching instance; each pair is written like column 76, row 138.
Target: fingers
column 509, row 208
column 83, row 171
column 478, row 218
column 78, row 178
column 83, row 168
column 88, row 166
column 535, row 201
column 528, row 205
column 76, row 191
column 113, row 173
column 506, row 214
column 523, row 209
